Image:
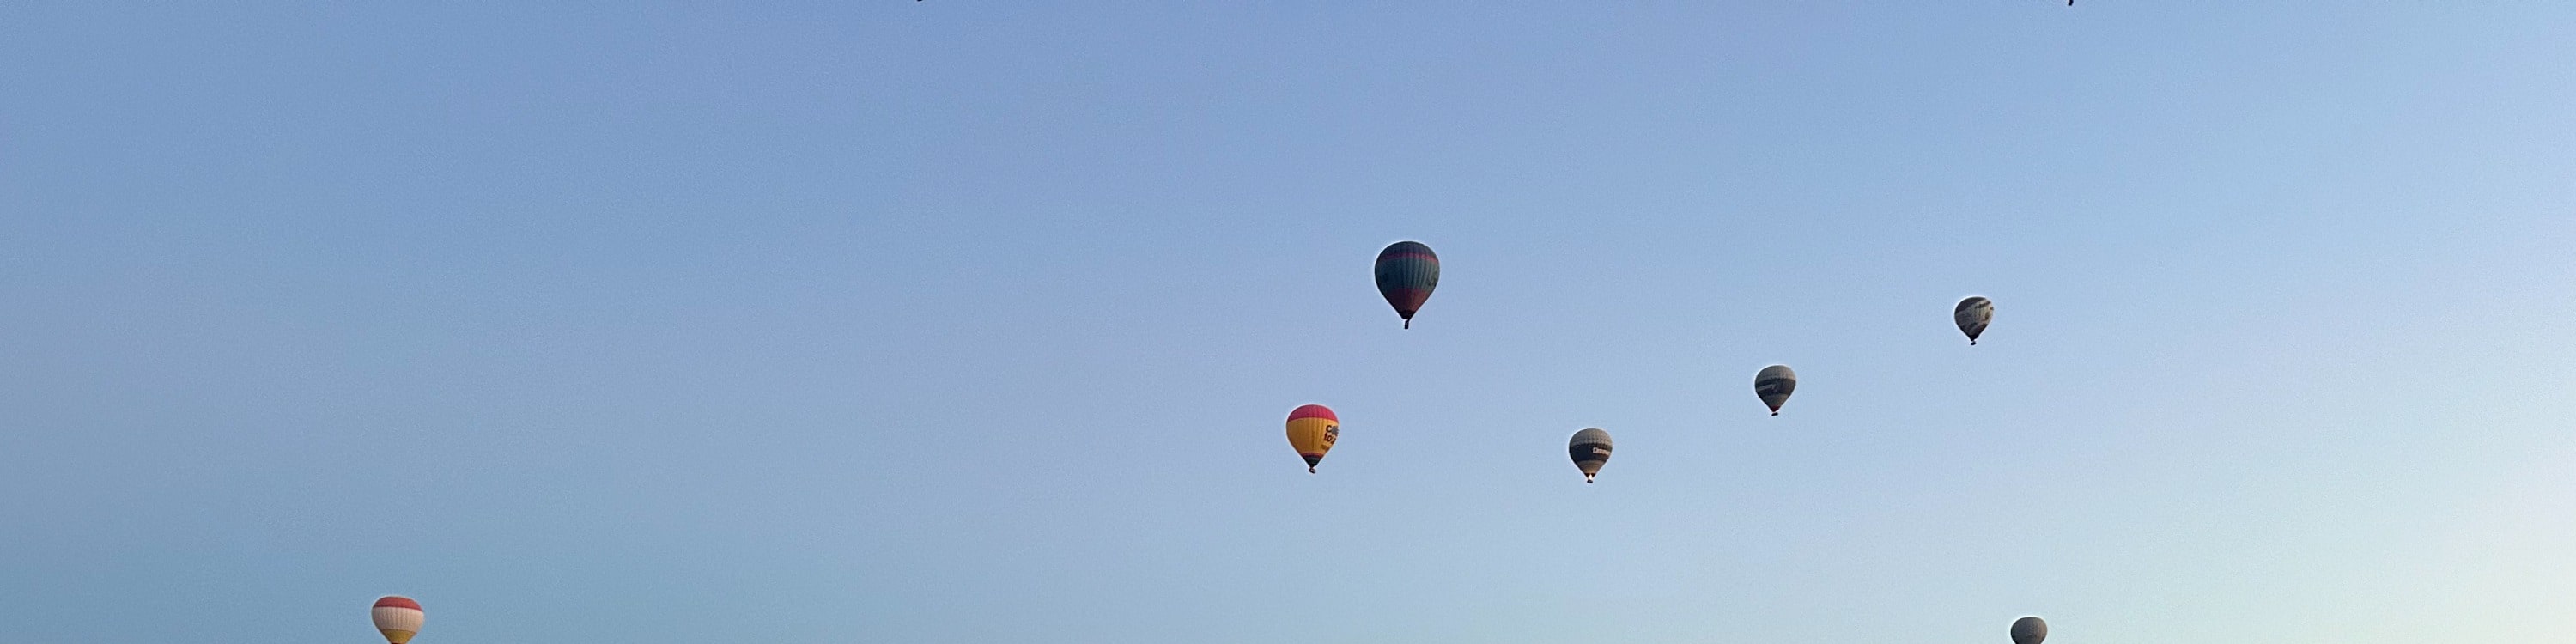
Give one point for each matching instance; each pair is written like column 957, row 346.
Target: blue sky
column 976, row 322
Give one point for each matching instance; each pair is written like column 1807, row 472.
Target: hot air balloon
column 1406, row 271
column 2029, row 630
column 1590, row 449
column 1972, row 315
column 1773, row 384
column 398, row 617
column 1312, row 430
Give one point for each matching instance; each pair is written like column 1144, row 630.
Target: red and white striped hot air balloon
column 398, row 617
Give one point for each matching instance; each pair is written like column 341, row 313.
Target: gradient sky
column 961, row 321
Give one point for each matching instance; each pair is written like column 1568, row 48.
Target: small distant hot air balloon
column 1773, row 384
column 398, row 617
column 1972, row 315
column 1590, row 449
column 1406, row 272
column 1312, row 430
column 2029, row 630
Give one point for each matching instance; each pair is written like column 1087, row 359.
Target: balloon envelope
column 1972, row 315
column 1312, row 430
column 1773, row 384
column 2029, row 630
column 1406, row 272
column 398, row 617
column 1590, row 449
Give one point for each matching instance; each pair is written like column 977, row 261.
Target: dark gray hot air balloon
column 1972, row 315
column 2029, row 630
column 1406, row 273
column 1773, row 384
column 1590, row 449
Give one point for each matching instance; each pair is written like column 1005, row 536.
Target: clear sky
column 961, row 321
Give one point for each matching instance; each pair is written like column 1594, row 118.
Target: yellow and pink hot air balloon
column 398, row 617
column 1312, row 430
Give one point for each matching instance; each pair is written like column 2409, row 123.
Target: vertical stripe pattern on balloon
column 397, row 617
column 1406, row 273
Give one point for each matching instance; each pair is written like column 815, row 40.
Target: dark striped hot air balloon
column 1773, row 384
column 1406, row 272
column 1590, row 449
column 2029, row 630
column 1972, row 316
